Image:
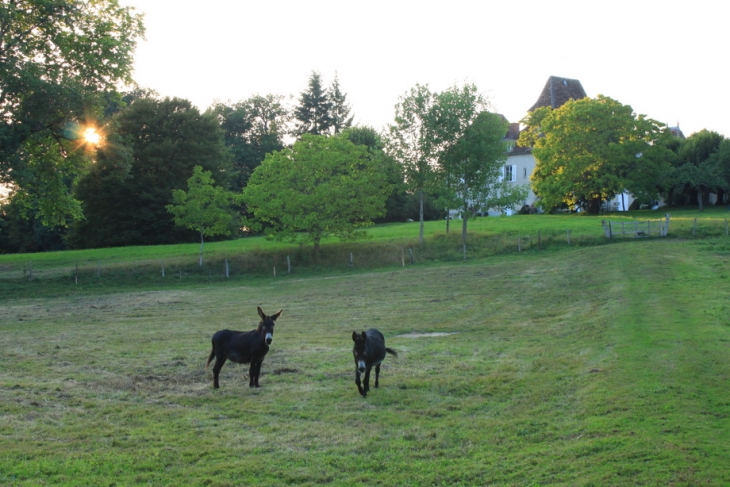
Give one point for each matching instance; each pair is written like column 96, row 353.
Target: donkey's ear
column 276, row 315
column 355, row 336
column 364, row 336
column 261, row 312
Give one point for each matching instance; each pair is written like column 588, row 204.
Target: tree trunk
column 594, row 206
column 420, row 215
column 700, row 197
column 463, row 223
column 201, row 249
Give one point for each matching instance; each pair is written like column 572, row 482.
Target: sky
column 666, row 59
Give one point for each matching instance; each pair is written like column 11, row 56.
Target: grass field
column 586, row 365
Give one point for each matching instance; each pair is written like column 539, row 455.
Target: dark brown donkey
column 369, row 350
column 243, row 347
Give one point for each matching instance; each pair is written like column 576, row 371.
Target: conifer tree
column 313, row 115
column 340, row 111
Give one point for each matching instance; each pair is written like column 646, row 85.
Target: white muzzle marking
column 269, row 338
column 361, row 366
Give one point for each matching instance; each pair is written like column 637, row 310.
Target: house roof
column 557, row 91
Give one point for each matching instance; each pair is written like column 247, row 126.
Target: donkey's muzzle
column 269, row 338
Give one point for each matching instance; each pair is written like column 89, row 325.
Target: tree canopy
column 471, row 169
column 700, row 165
column 204, row 207
column 426, row 125
column 252, row 128
column 321, row 186
column 58, row 60
column 154, row 146
column 313, row 114
column 589, row 150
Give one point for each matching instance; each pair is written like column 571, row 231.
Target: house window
column 510, row 173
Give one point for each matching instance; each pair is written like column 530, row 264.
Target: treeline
column 150, row 147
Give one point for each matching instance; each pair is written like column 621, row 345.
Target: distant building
column 520, row 161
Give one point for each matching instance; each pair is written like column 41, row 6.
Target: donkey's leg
column 366, row 381
column 377, row 375
column 362, row 391
column 252, row 374
column 257, row 374
column 219, row 361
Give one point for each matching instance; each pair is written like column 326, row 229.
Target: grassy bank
column 580, row 366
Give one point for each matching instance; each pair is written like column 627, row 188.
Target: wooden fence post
column 227, row 267
column 402, row 256
column 519, row 244
column 162, row 267
column 410, row 252
column 77, row 274
column 694, row 227
column 98, row 269
column 288, row 265
column 726, row 229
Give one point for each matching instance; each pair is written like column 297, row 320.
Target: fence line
column 442, row 247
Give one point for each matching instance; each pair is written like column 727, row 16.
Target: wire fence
column 441, row 247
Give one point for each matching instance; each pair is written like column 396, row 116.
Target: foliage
column 426, row 125
column 699, row 165
column 22, row 231
column 204, row 207
column 58, row 59
column 313, row 115
column 472, row 169
column 396, row 206
column 321, row 186
column 589, row 150
column 153, row 149
column 340, row 109
column 252, row 128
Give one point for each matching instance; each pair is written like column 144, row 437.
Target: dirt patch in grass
column 426, row 335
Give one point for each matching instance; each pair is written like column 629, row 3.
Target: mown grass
column 603, row 365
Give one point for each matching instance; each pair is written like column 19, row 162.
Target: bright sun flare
column 92, row 136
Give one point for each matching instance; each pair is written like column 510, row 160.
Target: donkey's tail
column 210, row 357
column 391, row 351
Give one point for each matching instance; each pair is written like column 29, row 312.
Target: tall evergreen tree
column 340, row 111
column 313, row 115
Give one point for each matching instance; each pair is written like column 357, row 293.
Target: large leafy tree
column 252, row 129
column 321, row 186
column 57, row 60
column 313, row 115
column 699, row 166
column 426, row 126
column 204, row 207
column 155, row 146
column 474, row 165
column 589, row 150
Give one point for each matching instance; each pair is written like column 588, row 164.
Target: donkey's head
column 359, row 351
column 266, row 326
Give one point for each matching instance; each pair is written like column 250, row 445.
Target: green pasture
column 584, row 365
column 386, row 247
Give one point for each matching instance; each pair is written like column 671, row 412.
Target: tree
column 321, row 186
column 426, row 125
column 396, row 206
column 699, row 165
column 154, row 146
column 313, row 115
column 204, row 207
column 589, row 150
column 474, row 165
column 340, row 109
column 57, row 60
column 252, row 128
